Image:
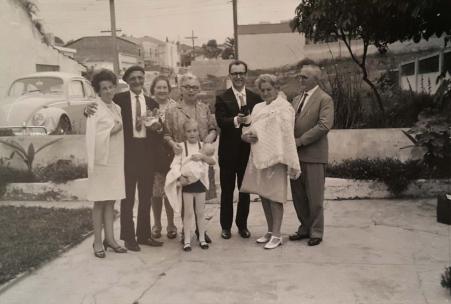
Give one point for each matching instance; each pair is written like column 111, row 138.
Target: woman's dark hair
column 103, row 75
column 154, row 83
column 238, row 62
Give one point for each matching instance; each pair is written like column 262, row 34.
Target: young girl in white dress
column 193, row 189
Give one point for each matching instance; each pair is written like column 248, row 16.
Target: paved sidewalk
column 375, row 251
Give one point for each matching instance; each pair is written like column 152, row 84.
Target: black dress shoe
column 150, row 242
column 314, row 241
column 245, row 234
column 297, row 237
column 132, row 245
column 225, row 234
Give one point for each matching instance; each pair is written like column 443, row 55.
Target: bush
column 446, row 279
column 394, row 173
column 61, row 171
column 10, row 175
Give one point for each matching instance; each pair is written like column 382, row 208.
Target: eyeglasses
column 302, row 77
column 193, row 88
column 235, row 74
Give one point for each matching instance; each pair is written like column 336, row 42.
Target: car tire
column 64, row 126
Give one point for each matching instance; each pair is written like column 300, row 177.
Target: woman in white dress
column 273, row 155
column 105, row 150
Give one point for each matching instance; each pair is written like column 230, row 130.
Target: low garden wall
column 343, row 144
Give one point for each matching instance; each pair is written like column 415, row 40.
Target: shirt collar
column 140, row 95
column 309, row 93
column 237, row 93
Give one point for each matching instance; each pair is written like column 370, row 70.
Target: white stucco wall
column 22, row 49
column 270, row 50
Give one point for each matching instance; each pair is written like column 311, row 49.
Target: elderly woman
column 105, row 150
column 273, row 155
column 189, row 107
column 160, row 90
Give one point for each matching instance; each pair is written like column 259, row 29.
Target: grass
column 30, row 236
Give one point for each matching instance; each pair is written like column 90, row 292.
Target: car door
column 77, row 99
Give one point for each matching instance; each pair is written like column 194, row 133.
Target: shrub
column 61, row 171
column 446, row 279
column 10, row 175
column 394, row 173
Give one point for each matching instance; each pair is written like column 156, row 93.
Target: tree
column 374, row 22
column 211, row 49
column 229, row 49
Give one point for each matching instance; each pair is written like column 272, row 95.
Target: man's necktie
column 301, row 104
column 242, row 103
column 138, row 121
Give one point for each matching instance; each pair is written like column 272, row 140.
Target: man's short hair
column 306, row 61
column 132, row 69
column 238, row 62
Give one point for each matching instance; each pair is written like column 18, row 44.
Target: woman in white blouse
column 105, row 150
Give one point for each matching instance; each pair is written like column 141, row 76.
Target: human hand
column 177, row 148
column 183, row 180
column 90, row 109
column 249, row 138
column 197, row 157
column 155, row 126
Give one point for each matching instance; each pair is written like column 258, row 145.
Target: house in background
column 420, row 75
column 157, row 53
column 19, row 32
column 97, row 52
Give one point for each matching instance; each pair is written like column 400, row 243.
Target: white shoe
column 265, row 238
column 273, row 242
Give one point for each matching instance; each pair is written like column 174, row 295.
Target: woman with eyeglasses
column 189, row 107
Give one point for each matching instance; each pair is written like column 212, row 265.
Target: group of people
column 164, row 149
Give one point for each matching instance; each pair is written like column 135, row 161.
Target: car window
column 89, row 90
column 76, row 89
column 42, row 85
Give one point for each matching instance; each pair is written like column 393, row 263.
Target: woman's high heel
column 117, row 249
column 99, row 254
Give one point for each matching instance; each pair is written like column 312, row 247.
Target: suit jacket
column 152, row 138
column 312, row 125
column 231, row 147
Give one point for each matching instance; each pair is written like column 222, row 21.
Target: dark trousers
column 138, row 172
column 230, row 173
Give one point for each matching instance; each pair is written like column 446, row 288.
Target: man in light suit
column 314, row 118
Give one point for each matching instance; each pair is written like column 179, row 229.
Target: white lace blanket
column 274, row 126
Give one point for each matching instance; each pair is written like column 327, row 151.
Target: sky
column 174, row 19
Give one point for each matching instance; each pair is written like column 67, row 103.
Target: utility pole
column 113, row 35
column 235, row 27
column 192, row 39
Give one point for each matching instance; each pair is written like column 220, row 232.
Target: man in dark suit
column 314, row 118
column 139, row 159
column 233, row 108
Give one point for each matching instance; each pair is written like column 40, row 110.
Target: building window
column 428, row 65
column 47, row 68
column 408, row 69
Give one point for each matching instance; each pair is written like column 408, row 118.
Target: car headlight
column 38, row 119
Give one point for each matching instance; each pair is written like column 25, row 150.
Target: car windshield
column 43, row 85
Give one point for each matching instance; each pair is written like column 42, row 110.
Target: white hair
column 269, row 78
column 188, row 76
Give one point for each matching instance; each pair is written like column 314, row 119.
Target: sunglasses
column 235, row 74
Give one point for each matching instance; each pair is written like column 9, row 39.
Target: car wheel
column 64, row 126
